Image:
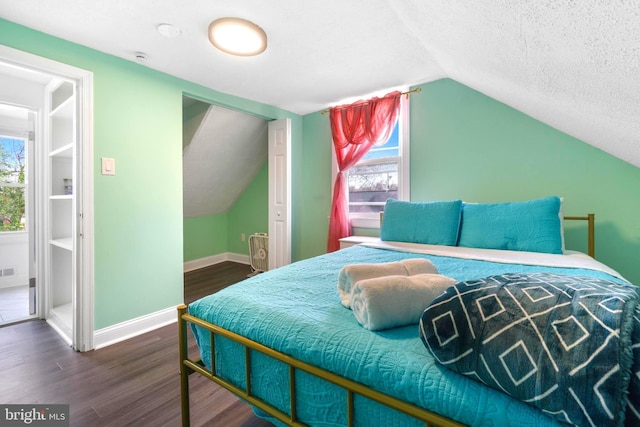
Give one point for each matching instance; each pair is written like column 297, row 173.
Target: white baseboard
column 131, row 328
column 239, row 258
column 10, row 281
column 140, row 325
column 62, row 330
column 215, row 259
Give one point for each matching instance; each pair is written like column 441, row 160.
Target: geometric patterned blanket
column 561, row 343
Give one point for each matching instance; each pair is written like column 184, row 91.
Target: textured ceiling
column 223, row 152
column 571, row 64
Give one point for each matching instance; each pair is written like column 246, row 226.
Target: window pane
column 12, row 199
column 370, row 186
column 12, row 209
column 12, row 157
column 388, row 149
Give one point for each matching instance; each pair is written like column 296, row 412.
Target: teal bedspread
column 296, row 310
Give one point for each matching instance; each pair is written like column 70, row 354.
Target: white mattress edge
column 571, row 259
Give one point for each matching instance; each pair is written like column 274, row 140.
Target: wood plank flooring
column 132, row 383
column 205, row 281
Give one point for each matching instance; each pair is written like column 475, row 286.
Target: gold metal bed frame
column 189, row 366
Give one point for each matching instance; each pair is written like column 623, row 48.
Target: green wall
column 205, row 236
column 219, row 234
column 317, row 182
column 469, row 146
column 249, row 214
column 137, row 120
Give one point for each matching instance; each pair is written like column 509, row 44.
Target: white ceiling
column 571, row 64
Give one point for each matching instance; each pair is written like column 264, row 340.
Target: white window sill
column 368, row 221
column 346, row 242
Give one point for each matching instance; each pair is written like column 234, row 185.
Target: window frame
column 4, row 133
column 372, row 220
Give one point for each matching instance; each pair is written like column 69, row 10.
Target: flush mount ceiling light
column 237, row 36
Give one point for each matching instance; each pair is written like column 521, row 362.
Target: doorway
column 231, row 171
column 60, row 210
column 17, row 272
column 224, row 150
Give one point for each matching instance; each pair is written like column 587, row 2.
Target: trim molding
column 11, row 281
column 134, row 327
column 215, row 259
column 147, row 323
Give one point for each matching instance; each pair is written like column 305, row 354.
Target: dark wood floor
column 132, row 383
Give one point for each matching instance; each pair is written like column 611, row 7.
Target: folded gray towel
column 353, row 273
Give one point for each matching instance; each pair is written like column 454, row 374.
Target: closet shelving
column 61, row 205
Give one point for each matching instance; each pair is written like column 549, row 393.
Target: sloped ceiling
column 567, row 63
column 571, row 64
column 223, row 150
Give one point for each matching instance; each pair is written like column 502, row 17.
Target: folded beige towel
column 392, row 301
column 353, row 273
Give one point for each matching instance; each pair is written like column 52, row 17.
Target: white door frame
column 84, row 308
column 279, row 193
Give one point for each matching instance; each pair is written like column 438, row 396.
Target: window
column 12, row 184
column 383, row 173
column 374, row 179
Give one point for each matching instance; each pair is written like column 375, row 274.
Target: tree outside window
column 12, row 184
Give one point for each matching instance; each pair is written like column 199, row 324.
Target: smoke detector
column 141, row 57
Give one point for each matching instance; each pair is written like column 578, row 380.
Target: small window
column 12, row 184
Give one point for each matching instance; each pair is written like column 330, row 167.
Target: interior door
column 31, row 217
column 279, row 193
column 17, row 233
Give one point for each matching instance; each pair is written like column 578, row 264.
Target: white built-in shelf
column 65, row 109
column 63, row 311
column 61, row 143
column 61, row 320
column 64, row 243
column 64, row 151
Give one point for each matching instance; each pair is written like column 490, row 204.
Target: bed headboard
column 591, row 238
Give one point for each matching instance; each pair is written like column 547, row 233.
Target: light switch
column 108, row 166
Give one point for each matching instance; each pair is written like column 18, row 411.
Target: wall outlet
column 243, row 237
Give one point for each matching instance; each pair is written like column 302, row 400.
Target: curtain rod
column 407, row 93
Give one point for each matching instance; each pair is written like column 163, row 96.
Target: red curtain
column 355, row 129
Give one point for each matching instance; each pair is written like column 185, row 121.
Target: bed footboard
column 189, row 366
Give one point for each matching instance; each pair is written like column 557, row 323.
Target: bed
column 283, row 342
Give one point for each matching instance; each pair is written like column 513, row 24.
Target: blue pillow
column 433, row 223
column 532, row 226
